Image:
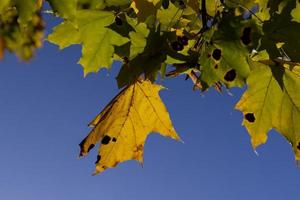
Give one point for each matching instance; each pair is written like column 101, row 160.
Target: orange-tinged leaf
column 124, row 124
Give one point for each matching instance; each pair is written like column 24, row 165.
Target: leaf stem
column 204, row 15
column 195, row 79
column 249, row 10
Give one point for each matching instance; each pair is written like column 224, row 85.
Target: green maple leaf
column 64, row 35
column 226, row 62
column 225, row 57
column 65, row 8
column 98, row 53
column 272, row 100
column 138, row 37
column 97, row 40
column 169, row 17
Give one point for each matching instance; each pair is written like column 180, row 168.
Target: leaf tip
column 258, row 139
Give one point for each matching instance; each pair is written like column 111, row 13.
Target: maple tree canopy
column 214, row 43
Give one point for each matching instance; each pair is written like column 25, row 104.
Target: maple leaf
column 64, row 35
column 169, row 17
column 124, row 124
column 272, row 101
column 226, row 62
column 97, row 40
column 215, row 39
column 66, row 8
column 138, row 37
column 225, row 59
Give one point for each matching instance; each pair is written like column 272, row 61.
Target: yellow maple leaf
column 124, row 124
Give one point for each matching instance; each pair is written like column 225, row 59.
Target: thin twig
column 279, row 61
column 204, row 24
column 249, row 10
column 48, row 11
column 195, row 79
column 204, row 14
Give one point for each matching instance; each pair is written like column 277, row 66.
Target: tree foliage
column 215, row 43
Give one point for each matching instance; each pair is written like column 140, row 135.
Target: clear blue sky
column 46, row 104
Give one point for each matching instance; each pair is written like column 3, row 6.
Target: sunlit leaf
column 97, row 40
column 138, row 37
column 64, row 35
column 65, row 8
column 296, row 12
column 124, row 124
column 272, row 101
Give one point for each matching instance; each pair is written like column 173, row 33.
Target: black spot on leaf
column 126, row 60
column 217, row 54
column 106, row 140
column 81, row 145
column 216, row 66
column 90, row 147
column 183, row 40
column 246, row 36
column 230, row 75
column 85, row 6
column 114, row 139
column 177, row 46
column 98, row 159
column 118, row 21
column 298, row 147
column 181, row 4
column 250, row 117
column 165, row 4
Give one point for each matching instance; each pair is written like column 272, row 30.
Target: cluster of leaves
column 21, row 27
column 215, row 43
